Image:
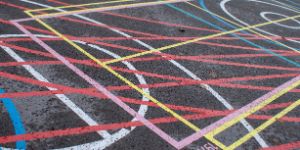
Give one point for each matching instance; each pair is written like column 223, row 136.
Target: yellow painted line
column 106, row 67
column 263, row 126
column 102, row 8
column 253, row 110
column 253, row 31
column 80, row 5
column 199, row 39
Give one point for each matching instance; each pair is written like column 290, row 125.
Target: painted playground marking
column 188, row 72
column 209, row 131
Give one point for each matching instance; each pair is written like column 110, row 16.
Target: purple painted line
column 188, row 140
column 136, row 5
column 99, row 87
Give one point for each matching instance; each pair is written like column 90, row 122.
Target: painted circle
column 266, row 13
column 276, row 4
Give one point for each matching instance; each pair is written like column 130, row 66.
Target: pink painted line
column 137, row 5
column 190, row 139
column 99, row 87
column 22, row 20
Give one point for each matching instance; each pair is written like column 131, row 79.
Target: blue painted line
column 219, row 19
column 235, row 35
column 15, row 118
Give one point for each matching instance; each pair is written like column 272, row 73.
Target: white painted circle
column 266, row 13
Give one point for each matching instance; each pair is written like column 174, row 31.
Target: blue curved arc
column 15, row 119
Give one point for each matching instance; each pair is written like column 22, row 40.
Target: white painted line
column 63, row 98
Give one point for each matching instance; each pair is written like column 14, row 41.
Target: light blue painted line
column 241, row 38
column 201, row 2
column 15, row 119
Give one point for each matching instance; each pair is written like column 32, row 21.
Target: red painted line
column 172, row 57
column 50, row 85
column 235, row 64
column 27, row 50
column 153, row 21
column 38, row 30
column 137, row 50
column 169, row 57
column 104, row 26
column 200, row 42
column 32, row 51
column 218, row 62
column 231, row 56
column 209, row 61
column 254, row 36
column 228, row 63
column 203, row 111
column 214, row 44
column 58, row 2
column 276, row 106
column 164, row 23
column 169, row 77
column 222, row 80
column 185, row 82
column 217, row 82
column 28, row 27
column 86, row 62
column 4, row 21
column 227, row 85
column 13, row 5
column 158, row 38
column 68, row 89
column 10, row 64
column 36, row 82
column 90, row 129
column 241, row 47
column 146, row 20
column 38, row 94
column 63, row 88
column 288, row 146
column 252, row 87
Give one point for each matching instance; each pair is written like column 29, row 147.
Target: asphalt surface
column 236, row 69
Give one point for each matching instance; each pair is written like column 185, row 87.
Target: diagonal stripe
column 264, row 125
